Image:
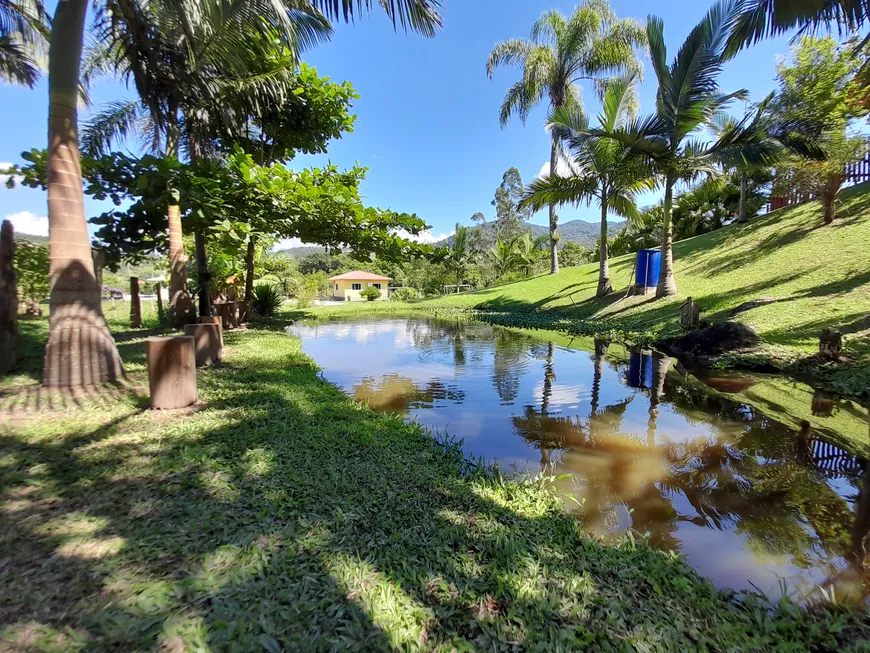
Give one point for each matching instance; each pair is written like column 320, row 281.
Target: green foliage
column 31, row 271
column 405, row 294
column 510, row 219
column 572, row 254
column 818, row 90
column 819, row 95
column 370, row 294
column 321, row 205
column 267, row 299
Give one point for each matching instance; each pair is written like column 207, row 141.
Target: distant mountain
column 31, row 239
column 581, row 232
column 299, row 252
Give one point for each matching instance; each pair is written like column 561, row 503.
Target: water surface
column 697, row 464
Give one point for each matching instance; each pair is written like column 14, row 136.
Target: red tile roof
column 359, row 275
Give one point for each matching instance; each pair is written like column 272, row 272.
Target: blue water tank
column 649, row 266
column 640, row 369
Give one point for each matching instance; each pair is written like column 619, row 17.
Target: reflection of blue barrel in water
column 649, row 266
column 640, row 369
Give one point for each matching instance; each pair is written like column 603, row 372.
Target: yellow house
column 348, row 286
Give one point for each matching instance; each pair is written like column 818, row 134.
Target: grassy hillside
column 819, row 275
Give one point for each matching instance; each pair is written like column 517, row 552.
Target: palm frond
column 115, row 122
column 507, row 53
column 554, row 189
column 17, row 65
column 422, row 16
column 550, row 27
column 760, row 19
column 518, row 102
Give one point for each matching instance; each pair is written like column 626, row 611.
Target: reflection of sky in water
column 675, row 472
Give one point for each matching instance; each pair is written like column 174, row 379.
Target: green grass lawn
column 279, row 515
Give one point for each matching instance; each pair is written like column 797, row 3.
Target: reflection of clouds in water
column 562, row 394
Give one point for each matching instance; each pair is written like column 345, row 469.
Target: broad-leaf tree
column 590, row 44
column 192, row 63
column 819, row 96
column 688, row 98
column 600, row 169
column 80, row 349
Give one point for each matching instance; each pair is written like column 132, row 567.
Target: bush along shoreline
column 279, row 514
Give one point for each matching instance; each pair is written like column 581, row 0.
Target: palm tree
column 460, row 252
column 80, row 349
column 561, row 53
column 688, row 99
column 504, row 256
column 527, row 249
column 23, row 32
column 601, row 168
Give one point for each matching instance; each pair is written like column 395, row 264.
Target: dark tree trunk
column 742, row 213
column 202, row 275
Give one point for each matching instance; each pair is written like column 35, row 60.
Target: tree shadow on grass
column 281, row 515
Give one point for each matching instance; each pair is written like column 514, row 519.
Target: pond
column 756, row 480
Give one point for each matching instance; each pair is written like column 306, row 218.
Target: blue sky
column 427, row 124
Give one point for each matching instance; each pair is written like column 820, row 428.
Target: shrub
column 267, row 300
column 371, row 293
column 404, row 294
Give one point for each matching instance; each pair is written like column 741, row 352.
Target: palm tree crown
column 600, row 168
column 591, row 44
column 688, row 99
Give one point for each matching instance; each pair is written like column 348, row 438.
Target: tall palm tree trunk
column 742, row 214
column 80, row 349
column 181, row 309
column 554, row 253
column 667, row 286
column 604, row 286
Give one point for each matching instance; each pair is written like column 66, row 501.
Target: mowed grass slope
column 819, row 275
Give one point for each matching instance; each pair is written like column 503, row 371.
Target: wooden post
column 690, row 314
column 171, row 371
column 160, row 314
column 135, row 304
column 9, row 342
column 206, row 341
column 830, row 343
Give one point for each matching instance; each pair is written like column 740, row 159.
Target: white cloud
column 425, row 237
column 4, row 178
column 287, row 243
column 29, row 223
column 563, row 168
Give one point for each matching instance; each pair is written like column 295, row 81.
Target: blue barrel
column 640, row 369
column 649, row 266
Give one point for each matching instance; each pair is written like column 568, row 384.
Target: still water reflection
column 751, row 503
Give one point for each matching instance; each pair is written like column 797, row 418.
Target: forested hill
column 579, row 231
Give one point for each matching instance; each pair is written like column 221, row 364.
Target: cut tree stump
column 171, row 371
column 690, row 314
column 135, row 304
column 215, row 319
column 207, row 342
column 830, row 343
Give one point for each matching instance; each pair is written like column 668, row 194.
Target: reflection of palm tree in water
column 661, row 365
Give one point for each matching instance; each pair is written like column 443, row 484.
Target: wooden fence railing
column 855, row 173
